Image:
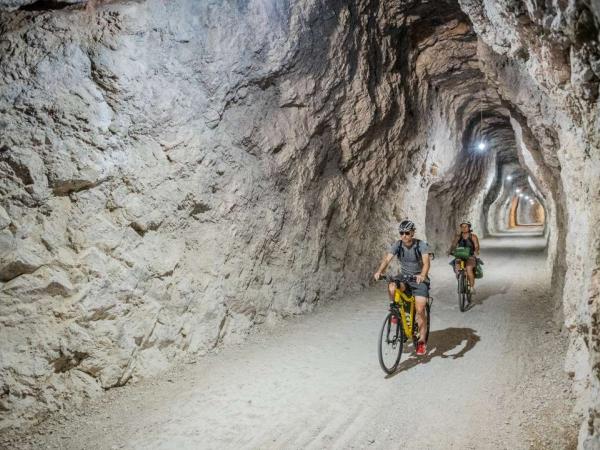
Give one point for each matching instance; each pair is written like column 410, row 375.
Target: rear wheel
column 391, row 340
column 428, row 309
column 462, row 291
column 468, row 295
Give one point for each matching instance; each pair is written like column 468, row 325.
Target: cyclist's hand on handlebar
column 377, row 276
column 419, row 278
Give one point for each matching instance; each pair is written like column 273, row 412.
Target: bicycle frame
column 464, row 297
column 401, row 300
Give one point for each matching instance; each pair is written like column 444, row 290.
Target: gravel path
column 492, row 379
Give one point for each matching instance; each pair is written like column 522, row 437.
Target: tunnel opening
column 527, row 213
column 517, row 204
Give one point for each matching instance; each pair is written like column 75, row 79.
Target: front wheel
column 462, row 291
column 391, row 339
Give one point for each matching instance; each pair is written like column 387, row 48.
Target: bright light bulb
column 508, row 178
column 481, row 145
column 518, row 190
column 520, row 195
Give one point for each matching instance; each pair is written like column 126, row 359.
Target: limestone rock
column 4, row 218
column 19, row 256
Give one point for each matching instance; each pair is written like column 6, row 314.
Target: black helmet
column 406, row 225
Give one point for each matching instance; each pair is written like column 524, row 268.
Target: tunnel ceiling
column 457, row 82
column 177, row 173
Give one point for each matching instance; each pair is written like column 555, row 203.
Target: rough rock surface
column 175, row 173
column 551, row 88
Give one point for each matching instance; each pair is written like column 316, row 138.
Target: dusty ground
column 493, row 378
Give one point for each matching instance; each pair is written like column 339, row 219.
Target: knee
column 392, row 288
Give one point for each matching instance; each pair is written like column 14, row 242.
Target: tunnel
column 195, row 196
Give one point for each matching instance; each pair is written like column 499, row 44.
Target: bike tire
column 462, row 294
column 390, row 351
column 428, row 311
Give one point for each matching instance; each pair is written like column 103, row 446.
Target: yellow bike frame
column 403, row 302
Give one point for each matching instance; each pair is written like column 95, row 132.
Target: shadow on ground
column 441, row 342
column 486, row 292
column 482, row 294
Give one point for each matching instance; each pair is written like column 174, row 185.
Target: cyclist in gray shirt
column 413, row 255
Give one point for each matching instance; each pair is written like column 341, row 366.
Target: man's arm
column 425, row 269
column 384, row 263
column 476, row 243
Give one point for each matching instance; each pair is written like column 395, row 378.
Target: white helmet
column 406, row 225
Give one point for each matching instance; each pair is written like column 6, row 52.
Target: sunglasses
column 404, row 233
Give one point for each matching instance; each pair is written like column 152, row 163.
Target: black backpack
column 417, row 248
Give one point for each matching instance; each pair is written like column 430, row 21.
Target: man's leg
column 391, row 290
column 420, row 303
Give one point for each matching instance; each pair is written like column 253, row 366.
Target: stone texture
column 553, row 99
column 175, row 173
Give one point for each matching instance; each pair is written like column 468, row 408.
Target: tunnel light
column 527, row 197
column 508, row 178
column 481, row 146
column 521, row 194
column 518, row 190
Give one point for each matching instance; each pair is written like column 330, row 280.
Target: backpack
column 417, row 248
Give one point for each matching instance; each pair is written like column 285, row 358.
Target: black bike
column 463, row 289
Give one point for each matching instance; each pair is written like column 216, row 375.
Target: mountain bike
column 400, row 325
column 463, row 288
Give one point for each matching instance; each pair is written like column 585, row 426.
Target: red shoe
column 421, row 348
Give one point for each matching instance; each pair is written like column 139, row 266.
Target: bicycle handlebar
column 400, row 278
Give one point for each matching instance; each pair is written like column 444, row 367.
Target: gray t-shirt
column 409, row 265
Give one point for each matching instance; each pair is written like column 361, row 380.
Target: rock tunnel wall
column 175, row 173
column 551, row 86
